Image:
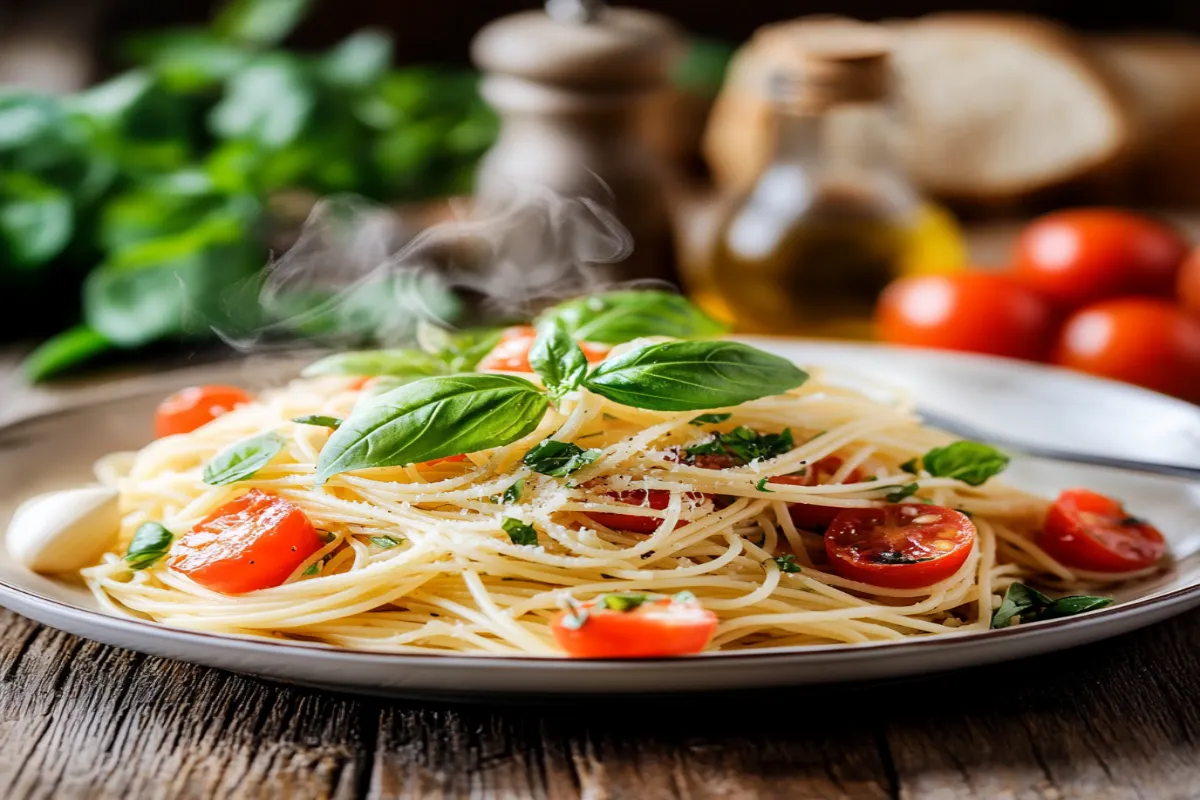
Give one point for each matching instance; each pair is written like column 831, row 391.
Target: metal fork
column 969, row 431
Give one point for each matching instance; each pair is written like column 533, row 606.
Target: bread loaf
column 995, row 108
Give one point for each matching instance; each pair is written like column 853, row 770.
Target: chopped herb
column 386, row 542
column 970, row 462
column 706, row 419
column 313, row 568
column 575, row 615
column 558, row 459
column 624, row 601
column 745, row 444
column 900, row 492
column 318, row 419
column 911, row 466
column 1031, row 605
column 519, row 532
column 894, row 557
column 150, row 543
column 869, row 478
column 787, row 563
column 762, row 486
column 327, row 536
column 510, row 495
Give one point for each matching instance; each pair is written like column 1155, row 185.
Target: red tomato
column 1145, row 341
column 807, row 515
column 358, row 383
column 653, row 498
column 899, row 546
column 192, row 407
column 1087, row 530
column 657, row 627
column 512, row 352
column 253, row 542
column 979, row 312
column 1082, row 255
column 447, row 460
column 1188, row 288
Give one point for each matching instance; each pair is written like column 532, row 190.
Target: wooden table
column 1118, row 719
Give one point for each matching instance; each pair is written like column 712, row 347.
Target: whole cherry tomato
column 1146, row 341
column 979, row 312
column 1188, row 288
column 194, row 406
column 511, row 353
column 1087, row 530
column 1079, row 256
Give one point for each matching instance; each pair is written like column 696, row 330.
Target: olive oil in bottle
column 832, row 218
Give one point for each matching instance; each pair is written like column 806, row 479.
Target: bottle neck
column 848, row 139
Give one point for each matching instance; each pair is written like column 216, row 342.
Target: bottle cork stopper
column 824, row 64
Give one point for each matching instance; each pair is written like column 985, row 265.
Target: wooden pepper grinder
column 569, row 83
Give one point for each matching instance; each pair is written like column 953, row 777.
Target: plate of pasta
column 618, row 498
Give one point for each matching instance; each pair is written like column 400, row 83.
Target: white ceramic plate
column 57, row 450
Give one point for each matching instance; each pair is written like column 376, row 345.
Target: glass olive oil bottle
column 832, row 218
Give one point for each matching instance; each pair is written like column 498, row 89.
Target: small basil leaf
column 557, row 358
column 970, row 462
column 762, row 486
column 558, row 459
column 623, row 601
column 899, row 493
column 745, row 444
column 1020, row 600
column 150, row 543
column 787, row 563
column 242, row 459
column 705, row 419
column 433, row 418
column 617, row 317
column 910, row 466
column 384, row 542
column 318, row 419
column 412, row 364
column 519, row 532
column 1076, row 604
column 512, row 494
column 692, row 376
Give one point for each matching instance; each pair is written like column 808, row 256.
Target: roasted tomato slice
column 1090, row 531
column 629, row 625
column 899, row 546
column 511, row 353
column 253, row 542
column 810, row 516
column 657, row 499
column 194, row 406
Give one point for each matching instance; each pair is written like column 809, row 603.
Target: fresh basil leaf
column 242, row 459
column 623, row 601
column 762, row 486
column 970, row 462
column 151, row 541
column 705, row 419
column 270, row 102
column 519, row 532
column 512, row 494
column 63, row 351
column 899, row 493
column 384, row 542
column 188, row 59
column 319, row 420
column 787, row 563
column 911, row 466
column 617, row 317
column 1020, row 600
column 558, row 459
column 260, row 23
column 433, row 418
column 36, row 221
column 557, row 358
column 397, row 363
column 692, row 376
column 357, row 61
column 745, row 444
column 1075, row 604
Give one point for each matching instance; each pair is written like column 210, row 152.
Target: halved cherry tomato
column 253, row 542
column 978, row 312
column 194, row 406
column 656, row 627
column 899, row 546
column 1090, row 531
column 1142, row 340
column 1082, row 255
column 808, row 515
column 511, row 354
column 1188, row 287
column 656, row 499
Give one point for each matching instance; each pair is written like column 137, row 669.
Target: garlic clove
column 64, row 531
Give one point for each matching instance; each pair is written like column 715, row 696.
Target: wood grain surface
column 1118, row 719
